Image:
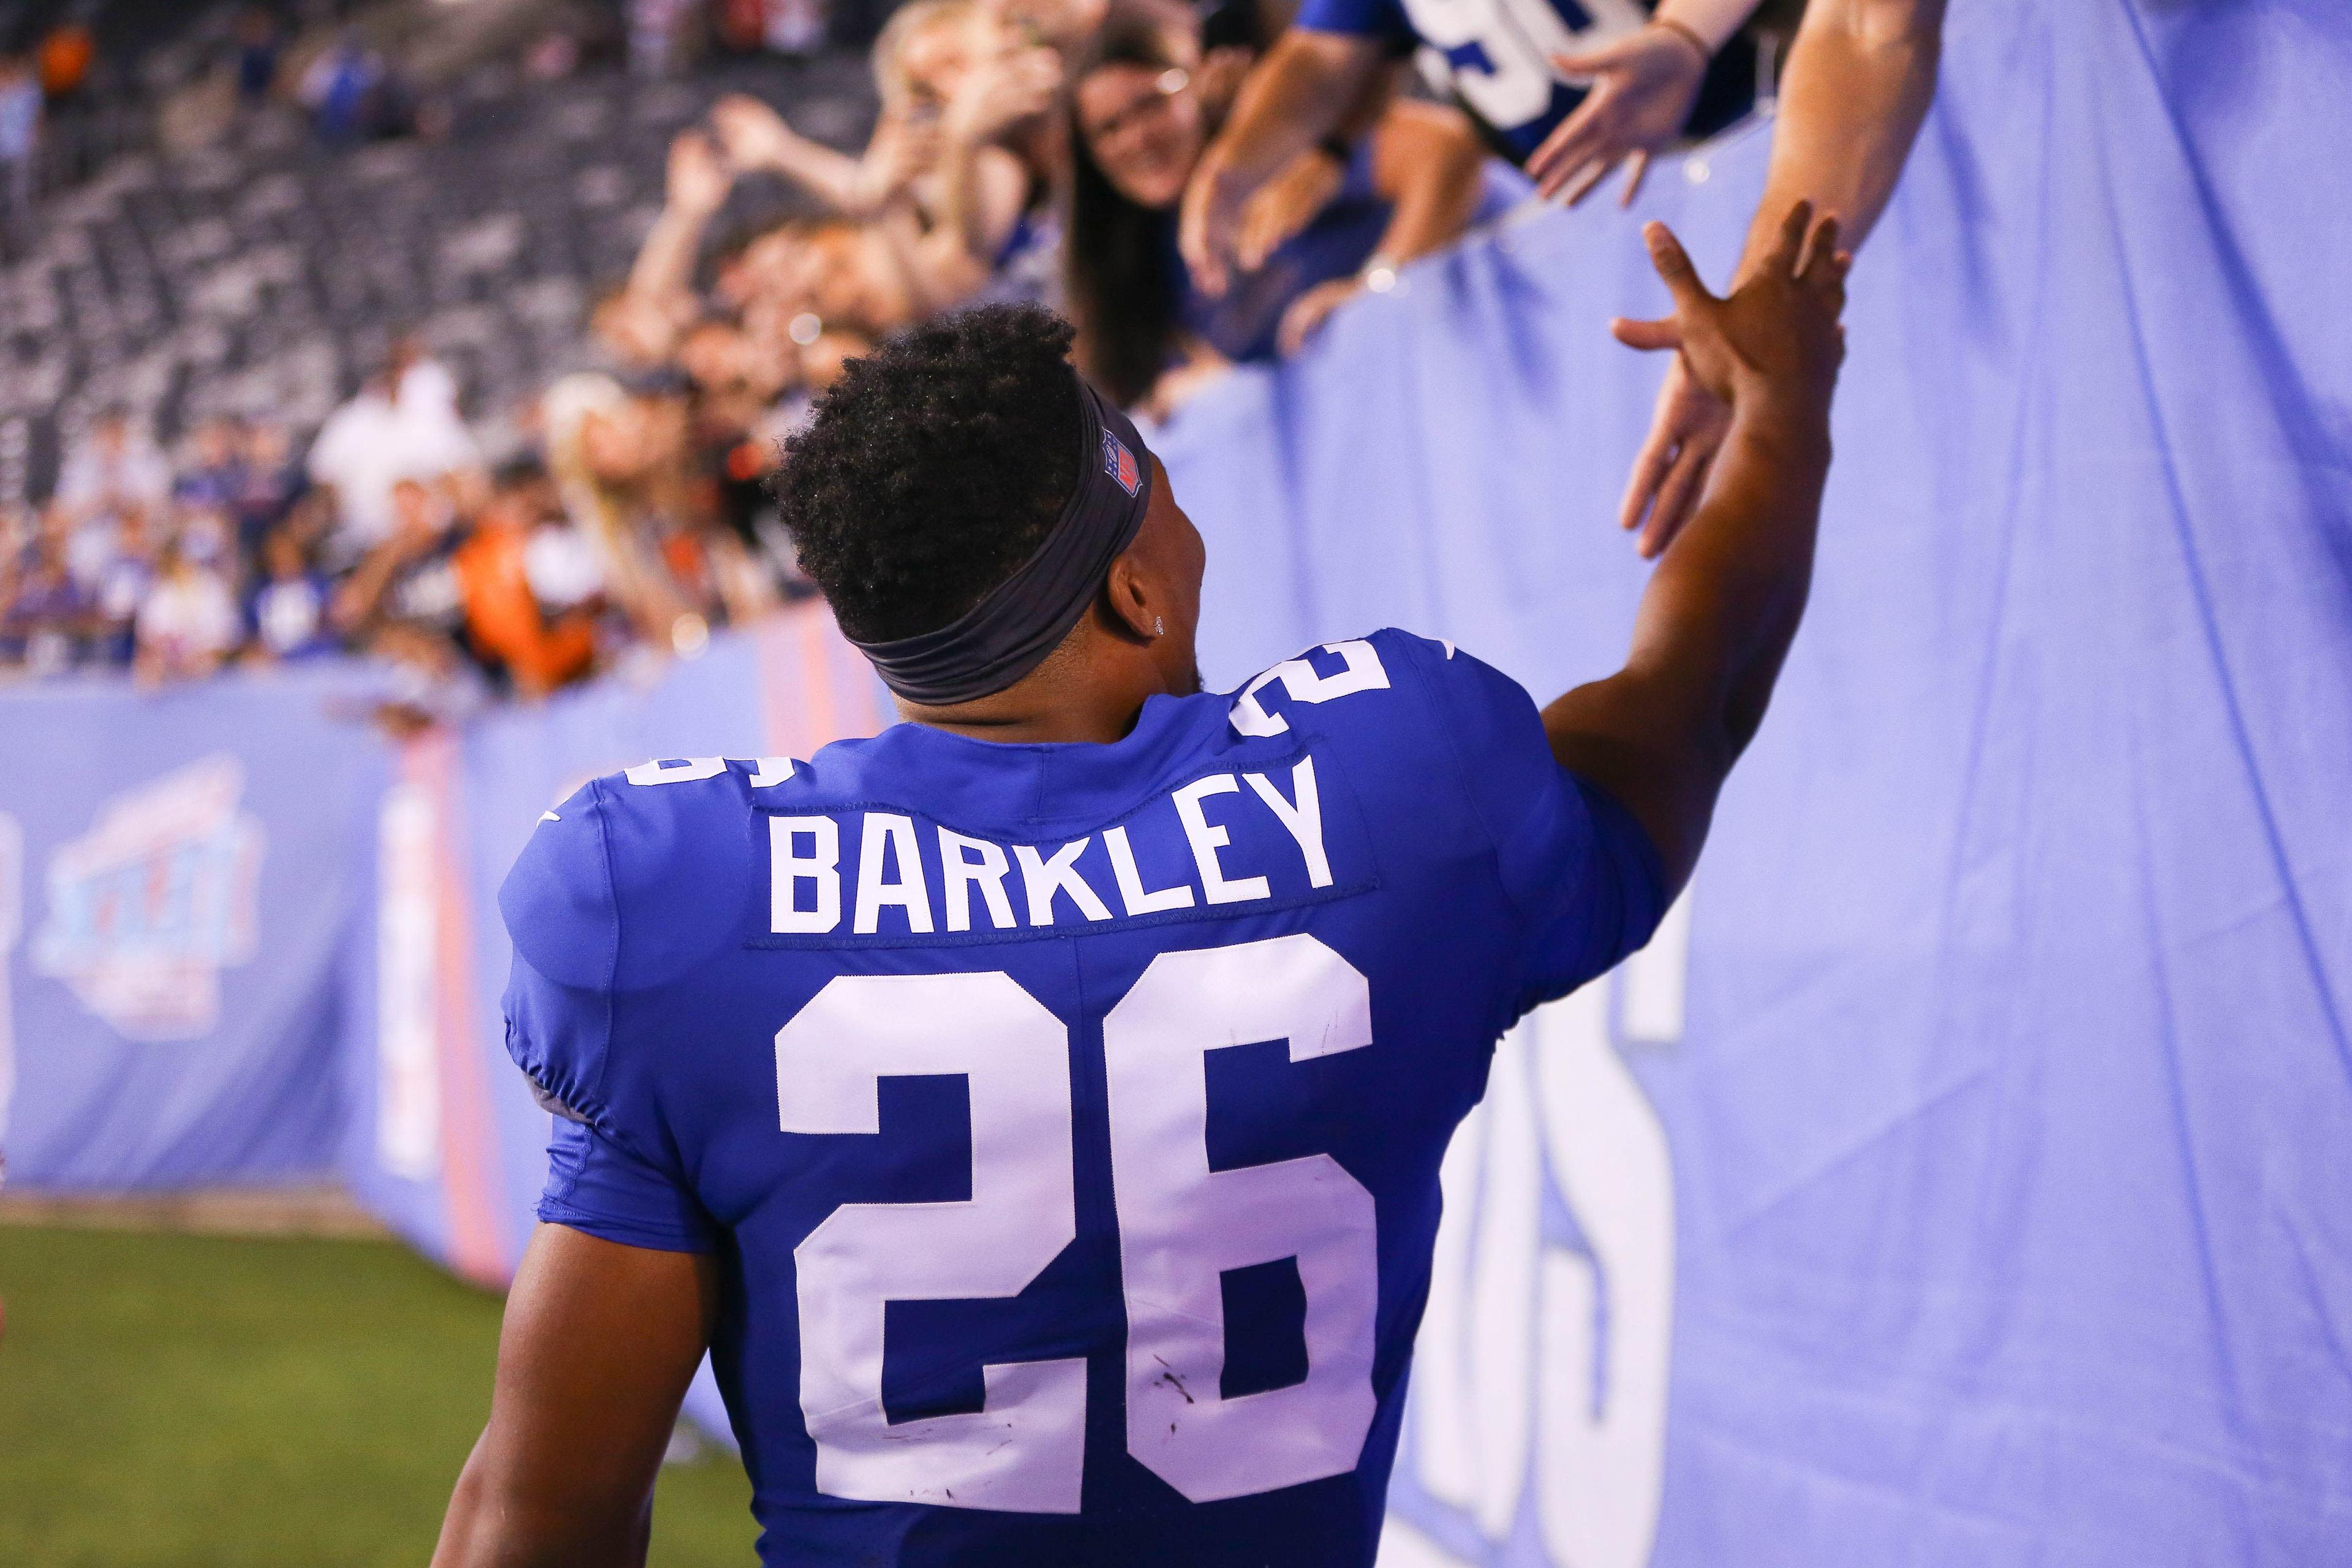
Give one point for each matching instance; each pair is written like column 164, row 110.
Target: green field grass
column 217, row 1402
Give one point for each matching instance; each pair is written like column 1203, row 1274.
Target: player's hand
column 699, row 178
column 1643, row 88
column 1687, row 430
column 1208, row 225
column 1771, row 350
column 1284, row 205
column 1307, row 314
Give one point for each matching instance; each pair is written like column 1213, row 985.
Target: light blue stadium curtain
column 1963, row 1178
column 176, row 873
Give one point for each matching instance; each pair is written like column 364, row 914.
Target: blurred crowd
column 1139, row 165
column 396, row 536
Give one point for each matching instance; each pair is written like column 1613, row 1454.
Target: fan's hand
column 1643, row 85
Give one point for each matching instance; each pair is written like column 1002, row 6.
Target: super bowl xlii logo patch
column 1120, row 463
column 149, row 906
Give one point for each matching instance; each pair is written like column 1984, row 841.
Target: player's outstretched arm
column 599, row 1344
column 1662, row 734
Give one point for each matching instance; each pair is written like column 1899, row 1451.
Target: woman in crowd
column 1139, row 122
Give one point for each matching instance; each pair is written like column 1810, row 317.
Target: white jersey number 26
column 1180, row 1225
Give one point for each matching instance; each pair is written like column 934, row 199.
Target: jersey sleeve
column 560, row 910
column 606, row 1173
column 1581, row 871
column 1383, row 20
column 596, row 1184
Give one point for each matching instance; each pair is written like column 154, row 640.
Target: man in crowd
column 403, row 425
column 845, row 1102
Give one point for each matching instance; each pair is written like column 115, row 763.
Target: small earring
column 1159, row 625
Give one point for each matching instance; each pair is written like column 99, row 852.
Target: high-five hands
column 1772, row 347
column 1643, row 86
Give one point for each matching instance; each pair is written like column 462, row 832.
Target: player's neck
column 1090, row 702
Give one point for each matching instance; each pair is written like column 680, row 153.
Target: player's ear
column 1134, row 605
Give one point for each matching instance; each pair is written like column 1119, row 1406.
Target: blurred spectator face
column 852, row 277
column 925, row 54
column 937, row 59
column 625, row 444
column 469, row 491
column 416, row 514
column 712, row 355
column 722, row 358
column 1144, row 130
column 133, row 539
column 836, row 270
column 774, row 265
column 215, row 445
column 266, row 446
column 284, row 557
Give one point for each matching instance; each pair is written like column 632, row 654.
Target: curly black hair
column 934, row 467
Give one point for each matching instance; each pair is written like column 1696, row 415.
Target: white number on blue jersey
column 1361, row 670
column 1024, row 1450
column 1511, row 84
column 1180, row 1227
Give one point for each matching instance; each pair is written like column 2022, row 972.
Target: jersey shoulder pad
column 644, row 872
column 558, row 899
column 1433, row 698
column 625, row 886
column 564, row 920
column 1293, row 691
column 1443, row 727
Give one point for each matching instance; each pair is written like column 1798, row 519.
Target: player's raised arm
column 1662, row 734
column 599, row 1344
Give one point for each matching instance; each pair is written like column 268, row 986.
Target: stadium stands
column 263, row 277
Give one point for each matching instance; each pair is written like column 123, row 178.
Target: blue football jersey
column 1067, row 1119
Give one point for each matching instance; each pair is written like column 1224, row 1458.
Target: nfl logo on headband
column 1120, row 463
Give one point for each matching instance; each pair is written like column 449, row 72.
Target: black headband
column 1024, row 618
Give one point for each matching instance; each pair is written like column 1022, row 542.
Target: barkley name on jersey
column 1065, row 1117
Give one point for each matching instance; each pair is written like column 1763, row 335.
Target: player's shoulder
column 636, row 874
column 1404, row 690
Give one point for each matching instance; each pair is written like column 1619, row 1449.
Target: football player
column 1036, row 1110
